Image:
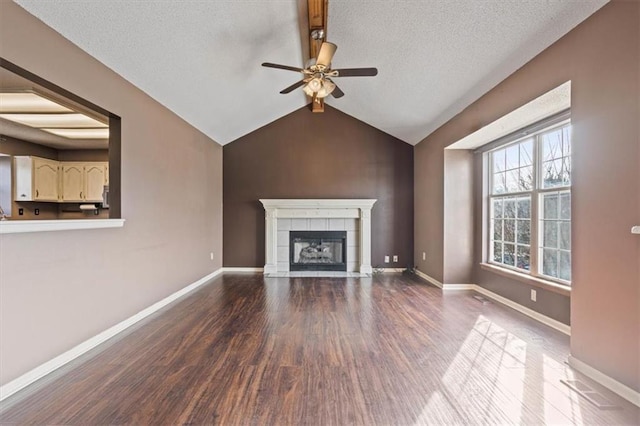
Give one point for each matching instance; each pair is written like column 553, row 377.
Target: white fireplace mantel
column 297, row 208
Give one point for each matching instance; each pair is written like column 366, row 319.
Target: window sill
column 533, row 281
column 20, row 226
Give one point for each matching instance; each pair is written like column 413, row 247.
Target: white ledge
column 20, row 226
column 318, row 203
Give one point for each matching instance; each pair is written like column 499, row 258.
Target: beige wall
column 60, row 288
column 458, row 223
column 602, row 59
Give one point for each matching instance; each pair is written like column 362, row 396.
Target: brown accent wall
column 60, row 288
column 328, row 155
column 602, row 59
column 83, row 155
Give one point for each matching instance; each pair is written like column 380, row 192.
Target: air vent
column 591, row 395
column 481, row 299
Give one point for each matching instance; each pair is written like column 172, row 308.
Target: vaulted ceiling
column 201, row 59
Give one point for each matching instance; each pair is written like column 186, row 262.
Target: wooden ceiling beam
column 318, row 14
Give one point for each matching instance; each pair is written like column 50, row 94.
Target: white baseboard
column 390, row 270
column 43, row 369
column 624, row 391
column 503, row 300
column 562, row 327
column 241, row 269
column 458, row 286
column 428, row 278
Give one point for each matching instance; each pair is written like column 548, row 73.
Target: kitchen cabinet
column 37, row 179
column 41, row 179
column 83, row 181
column 72, row 182
column 95, row 178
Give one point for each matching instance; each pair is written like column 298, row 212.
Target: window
column 530, row 204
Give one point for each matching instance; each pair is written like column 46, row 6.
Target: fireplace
column 285, row 215
column 317, row 251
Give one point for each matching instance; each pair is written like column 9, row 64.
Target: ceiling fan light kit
column 316, row 82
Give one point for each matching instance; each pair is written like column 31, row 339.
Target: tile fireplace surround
column 351, row 215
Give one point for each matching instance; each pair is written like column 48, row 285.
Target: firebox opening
column 317, row 250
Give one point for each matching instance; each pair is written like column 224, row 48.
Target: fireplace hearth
column 317, row 251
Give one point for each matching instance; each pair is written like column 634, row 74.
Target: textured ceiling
column 202, row 59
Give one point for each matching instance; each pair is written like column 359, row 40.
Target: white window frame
column 536, row 230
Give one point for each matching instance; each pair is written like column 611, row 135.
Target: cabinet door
column 45, row 179
column 72, row 182
column 95, row 174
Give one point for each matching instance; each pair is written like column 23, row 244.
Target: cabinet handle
column 36, row 192
column 80, row 194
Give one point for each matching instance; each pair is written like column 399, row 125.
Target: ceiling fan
column 317, row 75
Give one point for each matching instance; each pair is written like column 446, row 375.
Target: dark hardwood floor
column 387, row 350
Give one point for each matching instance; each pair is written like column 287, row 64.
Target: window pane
column 565, row 205
column 564, row 267
column 552, row 145
column 497, row 207
column 526, row 153
column 497, row 230
column 524, row 257
column 525, row 179
column 524, row 232
column 565, row 235
column 512, row 181
column 550, row 233
column 510, row 230
column 550, row 262
column 566, row 141
column 498, row 184
column 553, row 174
column 498, row 161
column 524, row 207
column 509, row 254
column 550, row 206
column 497, row 252
column 510, row 207
column 566, row 171
column 513, row 157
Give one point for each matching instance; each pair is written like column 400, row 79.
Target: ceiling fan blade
column 327, row 50
column 337, row 93
column 293, row 87
column 355, row 72
column 282, row 67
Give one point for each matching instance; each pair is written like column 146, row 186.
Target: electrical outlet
column 386, row 259
column 424, row 256
column 36, row 212
column 395, row 258
column 534, row 295
column 211, row 255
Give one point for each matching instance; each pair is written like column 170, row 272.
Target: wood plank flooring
column 387, row 350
